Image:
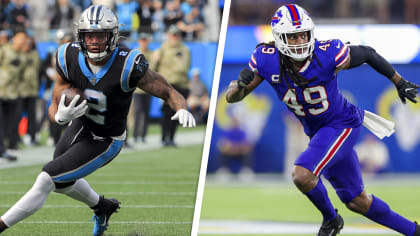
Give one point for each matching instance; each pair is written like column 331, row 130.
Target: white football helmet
column 290, row 19
column 98, row 18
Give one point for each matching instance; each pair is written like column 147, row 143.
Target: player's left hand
column 407, row 90
column 185, row 118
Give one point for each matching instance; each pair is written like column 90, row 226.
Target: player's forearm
column 176, row 101
column 234, row 94
column 154, row 84
column 52, row 110
column 396, row 78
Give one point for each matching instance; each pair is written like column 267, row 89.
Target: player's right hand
column 245, row 77
column 67, row 113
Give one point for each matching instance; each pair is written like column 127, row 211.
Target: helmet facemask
column 298, row 52
column 98, row 19
column 109, row 44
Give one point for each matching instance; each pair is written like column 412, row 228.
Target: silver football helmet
column 98, row 18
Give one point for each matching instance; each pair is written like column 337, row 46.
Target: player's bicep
column 154, row 84
column 345, row 65
column 341, row 53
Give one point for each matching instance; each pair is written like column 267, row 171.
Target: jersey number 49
column 320, row 94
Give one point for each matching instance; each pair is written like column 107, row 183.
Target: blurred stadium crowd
column 26, row 79
column 244, row 12
column 42, row 18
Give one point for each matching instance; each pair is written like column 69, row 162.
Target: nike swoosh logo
column 104, row 224
column 408, row 89
column 338, row 46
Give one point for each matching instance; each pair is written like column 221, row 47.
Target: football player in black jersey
column 107, row 74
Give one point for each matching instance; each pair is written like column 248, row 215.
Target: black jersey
column 109, row 91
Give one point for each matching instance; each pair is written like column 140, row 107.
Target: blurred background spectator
column 235, row 149
column 191, row 25
column 142, row 99
column 373, row 155
column 173, row 13
column 28, row 88
column 63, row 16
column 125, row 11
column 11, row 68
column 198, row 100
column 17, row 14
column 173, row 61
column 145, row 12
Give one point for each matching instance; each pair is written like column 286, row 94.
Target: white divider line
column 210, row 122
column 113, row 222
column 113, row 183
column 122, row 206
column 124, row 193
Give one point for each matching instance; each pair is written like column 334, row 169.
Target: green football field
column 156, row 189
column 239, row 207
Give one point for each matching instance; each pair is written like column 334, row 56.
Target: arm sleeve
column 365, row 54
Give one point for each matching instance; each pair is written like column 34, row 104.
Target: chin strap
column 97, row 56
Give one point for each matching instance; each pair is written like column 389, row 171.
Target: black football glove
column 245, row 77
column 407, row 90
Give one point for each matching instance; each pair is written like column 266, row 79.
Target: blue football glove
column 407, row 90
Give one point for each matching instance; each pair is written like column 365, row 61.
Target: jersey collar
column 95, row 78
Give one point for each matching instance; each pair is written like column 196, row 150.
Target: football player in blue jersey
column 108, row 74
column 303, row 72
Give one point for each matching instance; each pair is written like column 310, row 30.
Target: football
column 70, row 94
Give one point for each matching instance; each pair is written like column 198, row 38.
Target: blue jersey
column 320, row 102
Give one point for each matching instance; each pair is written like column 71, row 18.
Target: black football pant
column 169, row 126
column 10, row 110
column 141, row 114
column 79, row 153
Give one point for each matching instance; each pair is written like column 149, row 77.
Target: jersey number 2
column 290, row 100
column 97, row 106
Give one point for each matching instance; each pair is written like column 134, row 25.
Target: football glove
column 407, row 90
column 67, row 113
column 245, row 77
column 184, row 117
